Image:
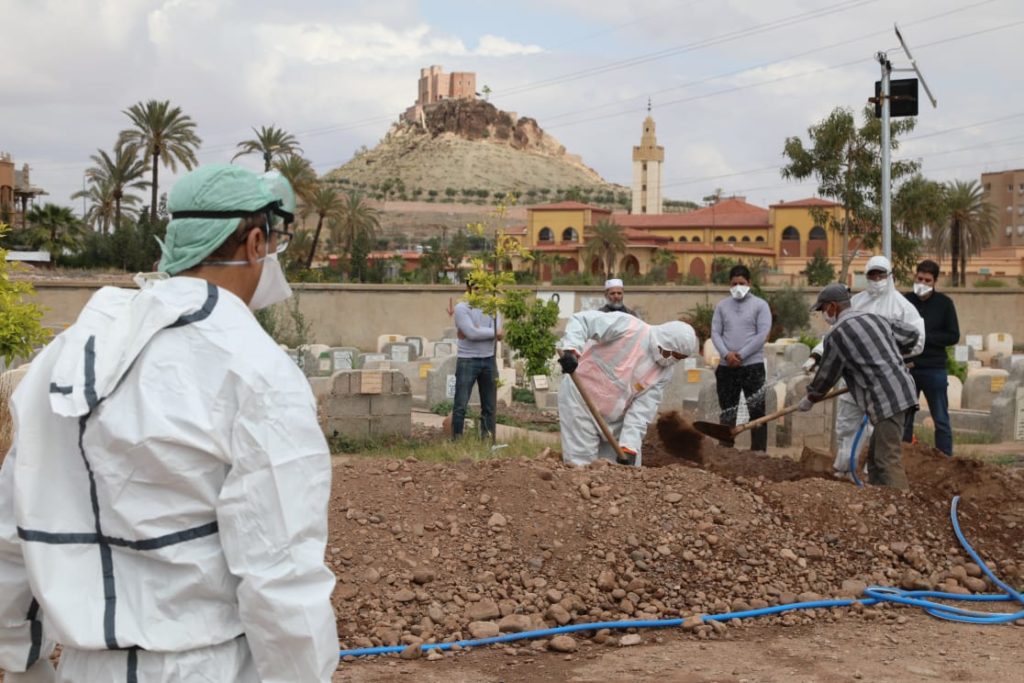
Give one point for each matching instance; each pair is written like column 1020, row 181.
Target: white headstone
column 975, row 341
column 449, row 389
column 540, row 382
column 1019, row 432
column 961, row 353
column 344, row 359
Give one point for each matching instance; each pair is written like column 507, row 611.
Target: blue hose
column 875, row 595
column 853, row 451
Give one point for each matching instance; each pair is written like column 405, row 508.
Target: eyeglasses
column 284, row 238
column 672, row 354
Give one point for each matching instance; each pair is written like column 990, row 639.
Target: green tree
column 529, row 329
column 54, row 228
column 270, row 142
column 661, row 260
column 299, row 173
column 820, row 271
column 166, row 135
column 720, row 267
column 605, row 241
column 356, row 219
column 329, row 205
column 790, row 312
column 970, row 223
column 21, row 329
column 845, row 159
column 117, row 174
column 101, row 211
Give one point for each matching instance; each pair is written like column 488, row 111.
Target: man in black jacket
column 929, row 368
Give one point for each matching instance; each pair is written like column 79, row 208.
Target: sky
column 728, row 80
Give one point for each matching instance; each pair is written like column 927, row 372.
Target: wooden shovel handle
column 780, row 413
column 608, row 436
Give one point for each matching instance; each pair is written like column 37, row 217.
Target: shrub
column 790, row 310
column 529, row 329
column 820, row 271
column 699, row 318
column 958, row 370
column 522, row 395
column 809, row 340
column 990, row 283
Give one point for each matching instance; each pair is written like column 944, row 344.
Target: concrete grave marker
column 540, row 382
column 344, row 358
column 443, row 349
column 371, row 382
column 385, row 339
column 365, row 358
column 1019, row 421
column 449, row 390
column 975, row 341
column 961, row 353
column 400, row 352
column 417, row 344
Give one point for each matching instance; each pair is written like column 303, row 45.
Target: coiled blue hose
column 875, row 595
column 853, row 451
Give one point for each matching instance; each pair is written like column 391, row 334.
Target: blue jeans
column 483, row 372
column 933, row 382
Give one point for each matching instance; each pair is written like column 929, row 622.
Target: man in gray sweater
column 739, row 331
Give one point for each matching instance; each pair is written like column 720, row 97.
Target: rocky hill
column 465, row 145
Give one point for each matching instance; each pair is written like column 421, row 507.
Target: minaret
column 647, row 161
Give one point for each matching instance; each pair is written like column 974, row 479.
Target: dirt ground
column 431, row 552
column 919, row 649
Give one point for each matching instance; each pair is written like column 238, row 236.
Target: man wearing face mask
column 881, row 298
column 613, row 294
column 163, row 511
column 739, row 330
column 624, row 372
column 929, row 367
column 867, row 350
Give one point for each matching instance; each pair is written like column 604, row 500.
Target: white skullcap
column 614, row 282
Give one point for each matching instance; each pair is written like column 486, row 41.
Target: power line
column 690, row 47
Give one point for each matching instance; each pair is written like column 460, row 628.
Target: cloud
column 496, row 46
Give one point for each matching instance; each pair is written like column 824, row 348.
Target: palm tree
column 970, row 224
column 100, row 200
column 606, row 241
column 299, row 173
column 116, row 175
column 54, row 228
column 357, row 219
column 328, row 205
column 163, row 132
column 270, row 142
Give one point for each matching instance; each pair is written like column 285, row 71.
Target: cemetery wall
column 356, row 315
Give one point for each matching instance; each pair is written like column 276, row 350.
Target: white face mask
column 876, row 287
column 273, row 287
column 922, row 289
column 739, row 291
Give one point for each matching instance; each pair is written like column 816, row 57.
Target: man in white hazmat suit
column 163, row 511
column 882, row 298
column 624, row 373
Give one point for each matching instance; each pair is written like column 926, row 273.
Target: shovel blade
column 715, row 430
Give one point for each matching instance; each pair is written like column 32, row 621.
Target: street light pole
column 883, row 61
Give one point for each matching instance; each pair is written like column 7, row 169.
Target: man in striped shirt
column 866, row 350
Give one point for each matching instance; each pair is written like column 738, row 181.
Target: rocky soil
column 428, row 552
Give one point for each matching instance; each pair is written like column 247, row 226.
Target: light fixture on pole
column 894, row 98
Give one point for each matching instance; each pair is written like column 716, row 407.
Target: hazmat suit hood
column 113, row 329
column 673, row 336
column 885, row 287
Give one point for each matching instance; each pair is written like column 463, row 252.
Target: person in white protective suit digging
column 882, row 298
column 163, row 510
column 624, row 372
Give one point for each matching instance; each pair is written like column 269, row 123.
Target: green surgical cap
column 216, row 187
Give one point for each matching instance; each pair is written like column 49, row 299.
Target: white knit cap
column 614, row 282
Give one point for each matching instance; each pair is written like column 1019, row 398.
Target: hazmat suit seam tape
column 49, row 538
column 36, row 630
column 212, row 295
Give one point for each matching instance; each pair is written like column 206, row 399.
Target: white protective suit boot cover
column 849, row 417
column 582, row 441
column 230, row 661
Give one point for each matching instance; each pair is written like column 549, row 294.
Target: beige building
column 1005, row 190
column 435, row 85
column 648, row 159
column 17, row 194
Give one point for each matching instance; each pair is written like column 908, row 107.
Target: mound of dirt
column 428, row 552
